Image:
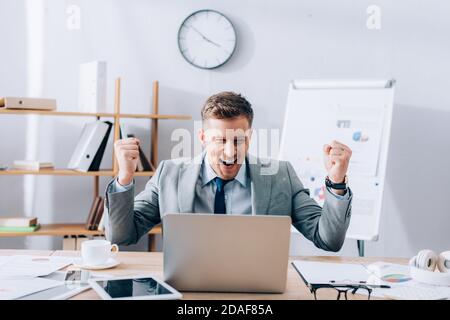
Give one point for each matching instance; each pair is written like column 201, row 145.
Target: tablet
column 144, row 287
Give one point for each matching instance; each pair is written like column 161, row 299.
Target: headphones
column 424, row 264
column 429, row 260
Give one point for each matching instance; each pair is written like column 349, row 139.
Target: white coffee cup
column 97, row 252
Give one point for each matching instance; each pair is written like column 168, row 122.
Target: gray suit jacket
column 172, row 190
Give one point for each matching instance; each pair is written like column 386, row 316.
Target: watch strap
column 336, row 186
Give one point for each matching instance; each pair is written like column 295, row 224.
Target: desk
column 133, row 263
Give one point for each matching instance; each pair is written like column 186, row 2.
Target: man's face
column 226, row 142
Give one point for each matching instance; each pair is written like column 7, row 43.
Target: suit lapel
column 261, row 186
column 187, row 180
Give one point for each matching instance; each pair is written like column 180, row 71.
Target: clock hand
column 205, row 38
column 201, row 34
column 210, row 41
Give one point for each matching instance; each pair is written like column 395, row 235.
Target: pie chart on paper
column 396, row 278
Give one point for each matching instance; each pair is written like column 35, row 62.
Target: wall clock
column 207, row 39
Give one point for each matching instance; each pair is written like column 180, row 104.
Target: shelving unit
column 99, row 115
column 79, row 230
column 73, row 229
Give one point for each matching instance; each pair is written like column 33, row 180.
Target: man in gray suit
column 224, row 179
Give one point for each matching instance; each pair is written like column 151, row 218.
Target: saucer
column 110, row 263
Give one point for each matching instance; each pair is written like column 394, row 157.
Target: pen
column 382, row 286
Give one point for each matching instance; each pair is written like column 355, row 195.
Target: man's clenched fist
column 336, row 157
column 127, row 155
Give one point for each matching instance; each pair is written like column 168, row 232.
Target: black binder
column 95, row 165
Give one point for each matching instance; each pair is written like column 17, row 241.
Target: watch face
column 206, row 39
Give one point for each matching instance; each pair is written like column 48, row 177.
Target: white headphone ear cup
column 427, row 260
column 443, row 262
column 412, row 262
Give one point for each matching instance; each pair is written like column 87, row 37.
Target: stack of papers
column 19, row 275
column 13, row 289
column 32, row 266
column 403, row 286
column 396, row 276
column 417, row 293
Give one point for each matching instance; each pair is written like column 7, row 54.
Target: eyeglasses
column 328, row 291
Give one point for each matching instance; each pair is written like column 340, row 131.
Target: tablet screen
column 127, row 288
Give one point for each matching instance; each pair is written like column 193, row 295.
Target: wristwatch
column 336, row 186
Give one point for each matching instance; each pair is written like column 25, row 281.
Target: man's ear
column 201, row 136
column 249, row 134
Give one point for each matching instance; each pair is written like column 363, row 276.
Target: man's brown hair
column 227, row 105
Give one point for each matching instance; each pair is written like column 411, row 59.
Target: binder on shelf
column 80, row 239
column 98, row 214
column 101, row 224
column 89, row 151
column 95, row 214
column 143, row 163
column 146, row 165
column 69, row 243
column 92, row 87
column 92, row 212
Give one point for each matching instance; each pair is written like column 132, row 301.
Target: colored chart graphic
column 395, row 278
column 358, row 136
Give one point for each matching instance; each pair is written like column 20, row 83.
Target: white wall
column 277, row 41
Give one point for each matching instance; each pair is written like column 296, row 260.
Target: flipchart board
column 357, row 113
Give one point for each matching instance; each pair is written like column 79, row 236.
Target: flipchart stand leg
column 360, row 244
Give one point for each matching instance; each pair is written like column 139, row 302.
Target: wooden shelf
column 155, row 116
column 65, row 230
column 100, row 115
column 144, row 173
column 69, row 172
column 116, row 116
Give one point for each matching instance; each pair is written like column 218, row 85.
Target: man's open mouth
column 228, row 163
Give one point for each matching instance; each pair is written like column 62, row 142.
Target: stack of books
column 27, row 103
column 95, row 217
column 19, row 224
column 32, row 165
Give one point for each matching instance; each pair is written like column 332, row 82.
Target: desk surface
column 132, row 263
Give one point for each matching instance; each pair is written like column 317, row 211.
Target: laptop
column 226, row 253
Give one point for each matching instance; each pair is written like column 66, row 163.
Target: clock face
column 207, row 39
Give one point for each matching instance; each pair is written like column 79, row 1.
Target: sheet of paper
column 16, row 288
column 32, row 266
column 380, row 273
column 332, row 273
column 415, row 293
column 402, row 285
